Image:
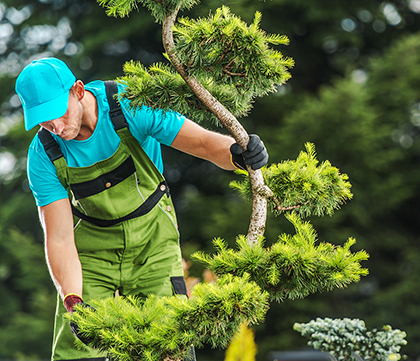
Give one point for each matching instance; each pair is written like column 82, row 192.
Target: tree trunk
column 259, row 190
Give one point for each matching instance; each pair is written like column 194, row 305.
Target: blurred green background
column 354, row 93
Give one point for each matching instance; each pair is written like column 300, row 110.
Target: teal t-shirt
column 150, row 127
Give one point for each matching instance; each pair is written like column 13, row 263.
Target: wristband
column 70, row 300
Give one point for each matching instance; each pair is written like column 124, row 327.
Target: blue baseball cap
column 43, row 87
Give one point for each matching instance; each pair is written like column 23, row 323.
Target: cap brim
column 47, row 111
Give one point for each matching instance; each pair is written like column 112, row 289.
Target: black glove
column 76, row 330
column 256, row 155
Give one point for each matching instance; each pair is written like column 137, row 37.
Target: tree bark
column 229, row 121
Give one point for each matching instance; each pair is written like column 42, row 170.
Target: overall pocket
column 111, row 195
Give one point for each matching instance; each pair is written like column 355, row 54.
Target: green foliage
column 155, row 329
column 232, row 61
column 128, row 329
column 303, row 185
column 160, row 87
column 216, row 310
column 159, row 9
column 225, row 48
column 344, row 338
column 294, row 267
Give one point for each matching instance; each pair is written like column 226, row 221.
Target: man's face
column 68, row 126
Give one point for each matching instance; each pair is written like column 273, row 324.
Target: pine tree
column 217, row 66
column 164, row 328
column 221, row 52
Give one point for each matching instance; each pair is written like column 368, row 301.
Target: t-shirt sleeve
column 147, row 122
column 42, row 176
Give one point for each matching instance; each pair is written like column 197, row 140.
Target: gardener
column 104, row 205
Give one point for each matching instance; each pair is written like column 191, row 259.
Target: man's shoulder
column 36, row 150
column 97, row 87
column 36, row 145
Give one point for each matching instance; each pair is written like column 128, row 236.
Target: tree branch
column 228, row 120
column 267, row 193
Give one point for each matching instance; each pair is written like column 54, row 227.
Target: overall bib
column 125, row 231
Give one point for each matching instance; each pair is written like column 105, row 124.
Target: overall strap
column 115, row 111
column 55, row 154
column 50, row 145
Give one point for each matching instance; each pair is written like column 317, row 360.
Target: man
column 104, row 205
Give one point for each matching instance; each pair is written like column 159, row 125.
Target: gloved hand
column 256, row 155
column 69, row 302
column 76, row 330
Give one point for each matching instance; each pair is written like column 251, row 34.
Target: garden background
column 354, row 93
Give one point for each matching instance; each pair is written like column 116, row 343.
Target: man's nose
column 58, row 126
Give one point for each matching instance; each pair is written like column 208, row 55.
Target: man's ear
column 79, row 89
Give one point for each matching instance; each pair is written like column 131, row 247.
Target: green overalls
column 125, row 230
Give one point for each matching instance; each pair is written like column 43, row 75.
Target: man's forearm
column 205, row 144
column 60, row 249
column 64, row 266
column 218, row 150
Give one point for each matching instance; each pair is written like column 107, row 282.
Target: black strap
column 50, row 145
column 115, row 112
column 178, row 283
column 145, row 208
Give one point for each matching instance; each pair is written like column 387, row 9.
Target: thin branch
column 150, row 100
column 228, row 47
column 267, row 193
column 230, row 63
column 225, row 69
column 233, row 74
column 280, row 208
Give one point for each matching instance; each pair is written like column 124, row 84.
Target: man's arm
column 202, row 143
column 60, row 250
